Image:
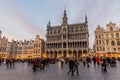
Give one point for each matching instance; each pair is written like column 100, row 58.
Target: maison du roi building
column 67, row 40
column 107, row 40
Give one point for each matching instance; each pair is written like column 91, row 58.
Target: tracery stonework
column 67, row 40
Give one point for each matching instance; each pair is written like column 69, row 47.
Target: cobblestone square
column 54, row 72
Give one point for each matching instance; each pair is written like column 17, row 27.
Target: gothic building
column 67, row 40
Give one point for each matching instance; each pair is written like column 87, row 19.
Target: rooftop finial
column 48, row 25
column 86, row 19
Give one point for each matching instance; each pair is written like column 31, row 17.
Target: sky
column 23, row 19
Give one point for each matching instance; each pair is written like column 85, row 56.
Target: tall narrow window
column 117, row 35
column 111, row 28
column 64, row 29
column 106, row 35
column 118, row 42
column 112, row 43
column 112, row 35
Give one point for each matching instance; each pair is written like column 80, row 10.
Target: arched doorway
column 64, row 54
column 85, row 52
column 69, row 54
column 75, row 54
column 79, row 54
column 59, row 54
column 51, row 54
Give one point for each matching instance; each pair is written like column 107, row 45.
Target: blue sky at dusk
column 23, row 19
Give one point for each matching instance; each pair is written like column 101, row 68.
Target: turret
column 64, row 18
column 86, row 19
column 48, row 25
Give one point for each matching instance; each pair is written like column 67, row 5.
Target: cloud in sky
column 23, row 19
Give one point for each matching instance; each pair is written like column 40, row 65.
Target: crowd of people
column 39, row 63
column 72, row 63
column 102, row 62
column 8, row 62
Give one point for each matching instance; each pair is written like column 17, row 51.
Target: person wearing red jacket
column 98, row 61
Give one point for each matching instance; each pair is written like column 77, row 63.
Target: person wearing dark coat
column 71, row 67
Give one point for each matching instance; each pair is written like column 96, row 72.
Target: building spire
column 86, row 19
column 48, row 25
column 64, row 18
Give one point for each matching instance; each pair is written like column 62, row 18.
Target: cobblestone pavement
column 54, row 72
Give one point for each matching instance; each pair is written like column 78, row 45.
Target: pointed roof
column 86, row 19
column 65, row 15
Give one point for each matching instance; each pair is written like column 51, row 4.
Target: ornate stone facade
column 31, row 48
column 39, row 47
column 21, row 49
column 3, row 46
column 25, row 49
column 67, row 40
column 107, row 40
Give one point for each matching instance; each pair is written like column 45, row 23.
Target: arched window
column 117, row 35
column 107, row 41
column 112, row 35
column 99, row 41
column 112, row 43
column 103, row 49
column 118, row 42
column 97, row 49
column 106, row 35
column 99, row 36
column 111, row 28
column 64, row 45
column 96, row 41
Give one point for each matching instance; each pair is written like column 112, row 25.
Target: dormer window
column 111, row 28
